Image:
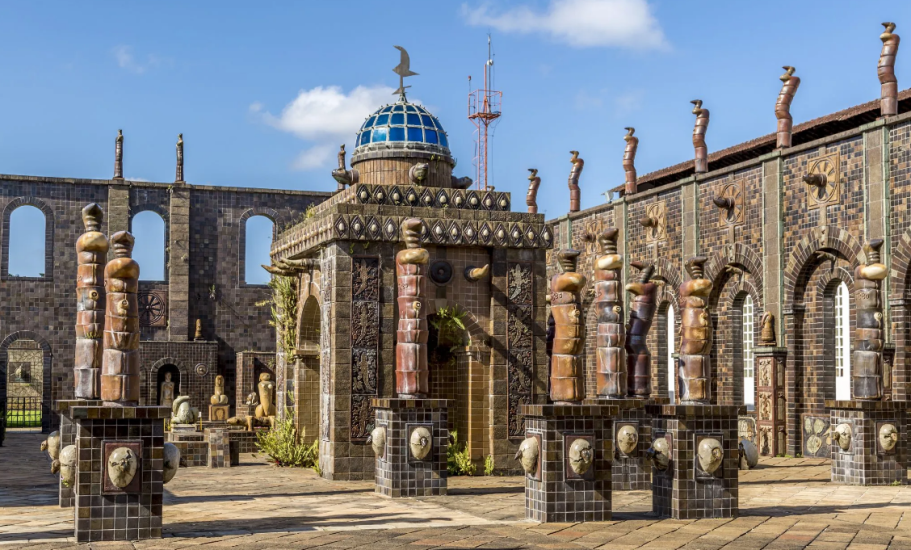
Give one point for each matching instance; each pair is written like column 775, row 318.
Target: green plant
column 283, row 306
column 458, row 462
column 285, row 448
column 488, row 465
column 895, row 483
column 449, row 323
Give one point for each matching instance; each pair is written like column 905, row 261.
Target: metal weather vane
column 403, row 69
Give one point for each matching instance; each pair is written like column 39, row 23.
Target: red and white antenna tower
column 483, row 109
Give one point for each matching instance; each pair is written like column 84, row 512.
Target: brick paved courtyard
column 785, row 503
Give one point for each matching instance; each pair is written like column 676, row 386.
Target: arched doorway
column 305, row 403
column 446, row 348
column 25, row 386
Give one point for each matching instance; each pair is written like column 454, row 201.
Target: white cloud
column 127, row 61
column 579, row 23
column 629, row 101
column 314, row 157
column 327, row 116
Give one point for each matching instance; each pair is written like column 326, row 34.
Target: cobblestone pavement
column 785, row 503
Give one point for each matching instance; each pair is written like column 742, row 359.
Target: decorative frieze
column 520, row 343
column 365, row 326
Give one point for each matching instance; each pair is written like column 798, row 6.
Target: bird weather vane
column 403, row 69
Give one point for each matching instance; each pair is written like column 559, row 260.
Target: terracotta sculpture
column 531, row 199
column 641, row 312
column 696, row 342
column 886, row 71
column 629, row 159
column 566, row 359
column 179, row 177
column 867, row 359
column 608, row 302
column 218, row 396
column 411, row 373
column 574, row 192
column 342, row 175
column 118, row 156
column 167, row 391
column 699, row 131
column 767, row 330
column 789, row 86
column 120, row 366
column 91, row 254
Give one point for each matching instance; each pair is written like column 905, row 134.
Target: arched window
column 149, row 230
column 671, row 349
column 259, row 232
column 842, row 344
column 26, row 242
column 749, row 380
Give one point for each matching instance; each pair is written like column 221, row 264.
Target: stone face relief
column 888, row 436
column 68, row 465
column 842, row 436
column 52, row 446
column 171, row 462
column 659, row 454
column 710, row 454
column 527, row 455
column 749, row 454
column 627, row 439
column 420, row 443
column 122, row 466
column 581, row 456
column 378, row 441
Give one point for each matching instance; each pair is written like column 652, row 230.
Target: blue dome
column 402, row 125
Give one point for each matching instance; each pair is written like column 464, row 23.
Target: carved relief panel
column 520, row 343
column 655, row 222
column 365, row 337
column 824, row 179
column 729, row 198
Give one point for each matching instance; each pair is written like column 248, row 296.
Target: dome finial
column 403, row 69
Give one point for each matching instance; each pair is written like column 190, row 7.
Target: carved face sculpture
column 627, row 439
column 420, row 171
column 581, row 456
column 68, row 465
column 710, row 455
column 52, row 445
column 171, row 462
column 888, row 436
column 420, row 443
column 749, row 455
column 659, row 454
column 528, row 455
column 122, row 466
column 378, row 441
column 842, row 436
column 167, row 377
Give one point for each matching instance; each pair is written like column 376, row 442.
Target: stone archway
column 15, row 360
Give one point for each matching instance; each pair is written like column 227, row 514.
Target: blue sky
column 265, row 93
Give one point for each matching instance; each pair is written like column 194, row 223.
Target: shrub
column 488, row 465
column 458, row 461
column 286, row 449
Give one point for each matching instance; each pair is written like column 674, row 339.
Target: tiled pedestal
column 556, row 493
column 218, row 413
column 133, row 513
column 398, row 473
column 67, row 495
column 684, row 490
column 219, row 447
column 867, row 461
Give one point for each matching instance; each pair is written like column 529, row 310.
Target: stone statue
column 252, row 399
column 68, row 465
column 749, row 454
column 566, row 360
column 266, row 386
column 611, row 359
column 411, row 372
column 460, row 183
column 182, row 412
column 122, row 466
column 118, row 156
column 767, row 330
column 575, row 173
column 659, row 454
column 171, row 462
column 218, row 396
column 531, row 199
column 699, row 131
column 693, row 370
column 629, row 159
column 52, row 446
column 198, row 336
column 342, row 175
column 867, row 359
column 886, row 71
column 418, row 173
column 120, row 366
column 166, row 398
column 91, row 254
column 179, row 176
column 641, row 312
column 789, row 86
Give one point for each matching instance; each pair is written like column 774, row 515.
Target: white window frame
column 671, row 348
column 749, row 375
column 842, row 343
